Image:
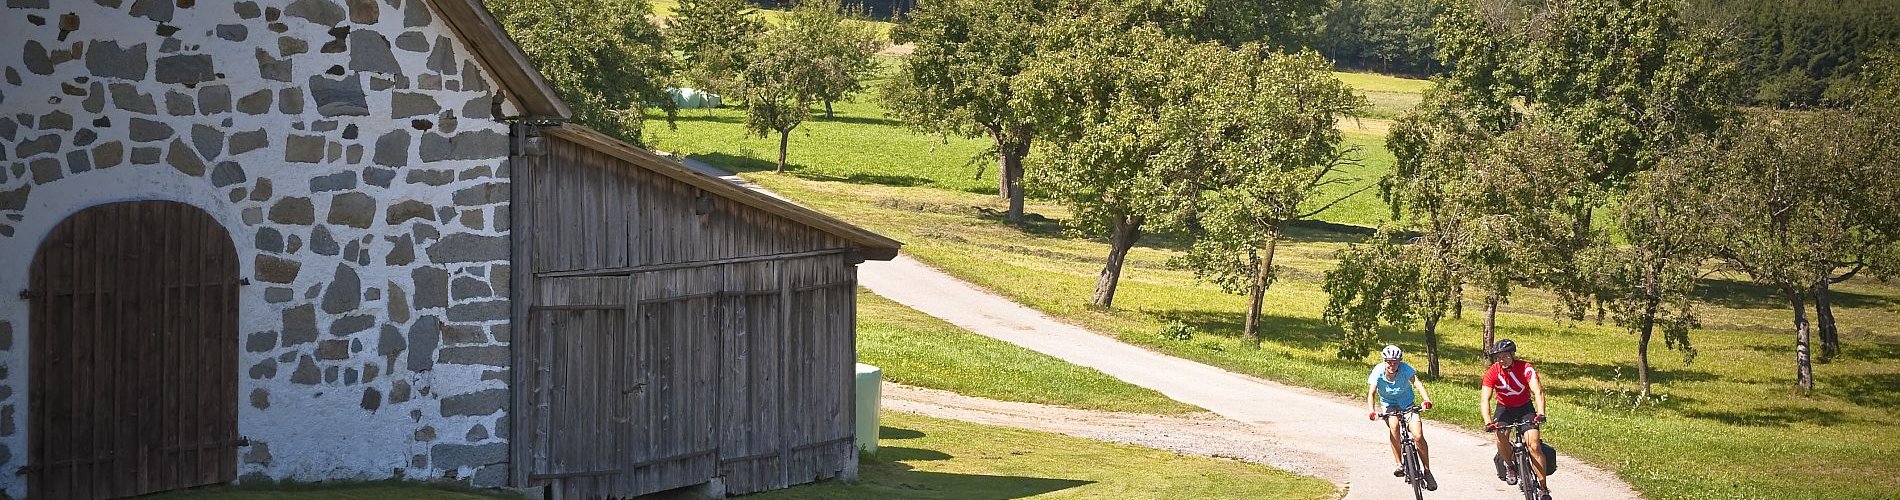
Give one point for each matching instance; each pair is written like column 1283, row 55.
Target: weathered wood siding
column 667, row 336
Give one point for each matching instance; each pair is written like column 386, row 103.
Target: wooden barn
column 351, row 239
column 674, row 328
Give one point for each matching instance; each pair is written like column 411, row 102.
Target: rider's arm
column 1537, row 391
column 1372, row 398
column 1484, row 403
column 1418, row 383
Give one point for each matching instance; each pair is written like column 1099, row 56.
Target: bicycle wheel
column 1526, row 475
column 1413, row 473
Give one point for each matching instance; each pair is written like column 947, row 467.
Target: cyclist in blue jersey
column 1389, row 388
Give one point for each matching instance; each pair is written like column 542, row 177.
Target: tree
column 1393, row 280
column 964, row 74
column 1433, row 143
column 715, row 38
column 1264, row 134
column 1601, row 89
column 603, row 56
column 1287, row 24
column 1109, row 106
column 780, row 85
column 1631, row 78
column 1650, row 281
column 1873, row 102
column 844, row 48
column 1388, row 36
column 1782, row 216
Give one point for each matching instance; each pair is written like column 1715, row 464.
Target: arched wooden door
column 134, row 353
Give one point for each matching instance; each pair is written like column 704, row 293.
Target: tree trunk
column 1258, row 291
column 1600, row 310
column 1431, row 344
column 1490, row 324
column 828, row 115
column 1009, row 168
column 784, row 139
column 1803, row 368
column 1824, row 323
column 1458, row 301
column 1642, row 353
column 1122, row 236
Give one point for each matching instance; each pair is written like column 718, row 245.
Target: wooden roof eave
column 871, row 246
column 503, row 58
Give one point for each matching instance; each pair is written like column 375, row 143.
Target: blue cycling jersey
column 1394, row 393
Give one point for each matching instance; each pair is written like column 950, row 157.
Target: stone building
column 279, row 239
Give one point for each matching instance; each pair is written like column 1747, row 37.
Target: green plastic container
column 868, row 379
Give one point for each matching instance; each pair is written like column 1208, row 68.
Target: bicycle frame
column 1521, row 460
column 1408, row 451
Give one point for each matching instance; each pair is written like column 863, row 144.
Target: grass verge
column 913, row 348
column 922, row 457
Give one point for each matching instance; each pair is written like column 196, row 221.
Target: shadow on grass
column 896, row 480
column 735, row 164
column 900, row 454
column 862, row 178
column 888, row 432
column 1735, row 294
column 1664, row 368
column 1033, row 223
column 1879, row 390
column 1870, row 351
column 1301, row 333
column 819, row 116
column 693, row 115
column 1774, row 416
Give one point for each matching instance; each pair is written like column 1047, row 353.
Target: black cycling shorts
column 1506, row 415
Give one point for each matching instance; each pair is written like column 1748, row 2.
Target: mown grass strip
column 913, row 348
column 929, row 458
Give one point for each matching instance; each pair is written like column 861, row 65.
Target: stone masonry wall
column 350, row 147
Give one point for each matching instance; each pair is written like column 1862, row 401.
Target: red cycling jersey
column 1512, row 385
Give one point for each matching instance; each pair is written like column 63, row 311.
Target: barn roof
column 504, row 59
column 871, row 245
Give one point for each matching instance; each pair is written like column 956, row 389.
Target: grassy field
column 921, row 457
column 1729, row 427
column 913, row 348
column 1388, row 96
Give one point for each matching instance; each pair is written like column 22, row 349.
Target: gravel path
column 1288, row 427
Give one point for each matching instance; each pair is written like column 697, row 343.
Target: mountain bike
column 1408, row 452
column 1521, row 461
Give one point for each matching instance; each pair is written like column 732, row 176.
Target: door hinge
column 23, row 470
column 244, row 282
column 28, row 294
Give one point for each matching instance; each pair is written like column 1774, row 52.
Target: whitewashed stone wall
column 351, row 149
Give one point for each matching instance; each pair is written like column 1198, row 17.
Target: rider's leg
column 1531, row 439
column 1392, row 435
column 1418, row 439
column 1504, row 445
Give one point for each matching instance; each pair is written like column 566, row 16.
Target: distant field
column 1387, row 96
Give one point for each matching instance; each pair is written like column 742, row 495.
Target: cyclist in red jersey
column 1520, row 396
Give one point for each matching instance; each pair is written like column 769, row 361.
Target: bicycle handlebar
column 1414, row 409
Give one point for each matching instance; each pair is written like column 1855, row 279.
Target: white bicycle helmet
column 1391, row 352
